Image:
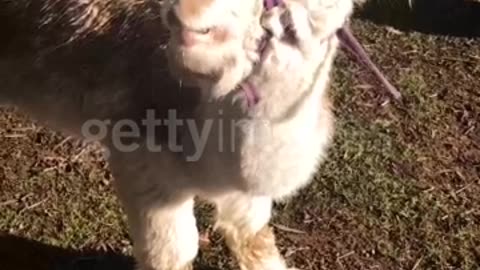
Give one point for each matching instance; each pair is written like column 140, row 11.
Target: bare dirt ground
column 400, row 189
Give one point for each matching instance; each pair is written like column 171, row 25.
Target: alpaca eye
column 203, row 31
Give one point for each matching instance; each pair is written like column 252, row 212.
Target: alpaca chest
column 276, row 160
column 257, row 154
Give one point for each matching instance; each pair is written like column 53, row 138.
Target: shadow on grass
column 460, row 18
column 17, row 253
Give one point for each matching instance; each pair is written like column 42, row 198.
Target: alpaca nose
column 187, row 38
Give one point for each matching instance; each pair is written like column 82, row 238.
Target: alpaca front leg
column 165, row 236
column 243, row 220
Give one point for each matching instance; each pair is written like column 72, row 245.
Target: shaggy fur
column 214, row 42
column 68, row 62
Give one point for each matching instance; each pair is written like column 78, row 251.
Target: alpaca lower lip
column 351, row 44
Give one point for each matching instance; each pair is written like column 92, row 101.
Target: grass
column 398, row 191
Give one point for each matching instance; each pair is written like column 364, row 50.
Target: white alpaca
column 271, row 151
column 98, row 59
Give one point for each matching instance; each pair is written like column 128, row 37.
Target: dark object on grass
column 456, row 18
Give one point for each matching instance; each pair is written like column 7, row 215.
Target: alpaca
column 257, row 153
column 75, row 65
